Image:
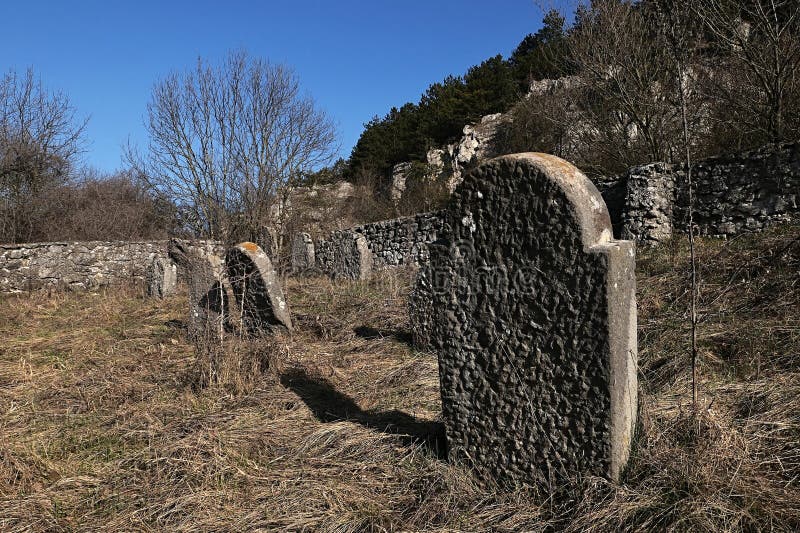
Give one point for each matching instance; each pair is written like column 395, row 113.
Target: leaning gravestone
column 209, row 293
column 531, row 308
column 161, row 277
column 302, row 253
column 258, row 292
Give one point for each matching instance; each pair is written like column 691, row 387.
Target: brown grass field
column 103, row 429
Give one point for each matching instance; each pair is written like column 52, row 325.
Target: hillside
column 102, row 428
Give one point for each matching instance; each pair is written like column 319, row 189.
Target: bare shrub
column 97, row 207
column 40, row 139
column 753, row 79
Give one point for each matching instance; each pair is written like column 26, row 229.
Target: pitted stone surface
column 530, row 307
column 303, row 258
column 161, row 277
column 259, row 296
column 209, row 291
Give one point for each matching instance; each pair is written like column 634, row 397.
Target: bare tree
column 758, row 90
column 676, row 15
column 40, row 139
column 226, row 141
column 628, row 103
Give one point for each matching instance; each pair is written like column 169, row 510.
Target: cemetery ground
column 102, row 426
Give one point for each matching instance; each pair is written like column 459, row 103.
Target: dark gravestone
column 259, row 297
column 209, row 294
column 531, row 309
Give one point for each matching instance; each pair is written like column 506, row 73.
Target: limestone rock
column 399, row 177
column 474, row 146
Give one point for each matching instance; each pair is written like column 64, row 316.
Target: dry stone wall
column 345, row 255
column 735, row 193
column 76, row 265
column 402, row 241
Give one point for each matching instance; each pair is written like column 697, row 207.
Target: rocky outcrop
column 399, row 178
column 474, row 146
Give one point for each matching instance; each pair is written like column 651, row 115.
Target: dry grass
column 101, row 429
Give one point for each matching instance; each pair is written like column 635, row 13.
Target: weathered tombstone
column 302, row 253
column 259, row 297
column 267, row 239
column 161, row 277
column 209, row 293
column 531, row 308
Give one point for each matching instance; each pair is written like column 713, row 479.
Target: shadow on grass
column 366, row 332
column 330, row 405
column 175, row 324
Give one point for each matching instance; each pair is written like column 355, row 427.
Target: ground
column 103, row 425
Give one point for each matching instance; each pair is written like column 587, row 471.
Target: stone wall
column 734, row 193
column 75, row 265
column 396, row 242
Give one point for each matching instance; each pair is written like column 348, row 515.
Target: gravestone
column 209, row 292
column 530, row 307
column 259, row 297
column 268, row 240
column 161, row 277
column 302, row 253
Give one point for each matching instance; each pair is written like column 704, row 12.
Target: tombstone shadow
column 370, row 333
column 330, row 405
column 176, row 324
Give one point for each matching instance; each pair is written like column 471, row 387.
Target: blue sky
column 356, row 58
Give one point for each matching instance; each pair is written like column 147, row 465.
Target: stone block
column 303, row 257
column 209, row 291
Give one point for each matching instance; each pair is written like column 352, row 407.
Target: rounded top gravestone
column 257, row 289
column 530, row 306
